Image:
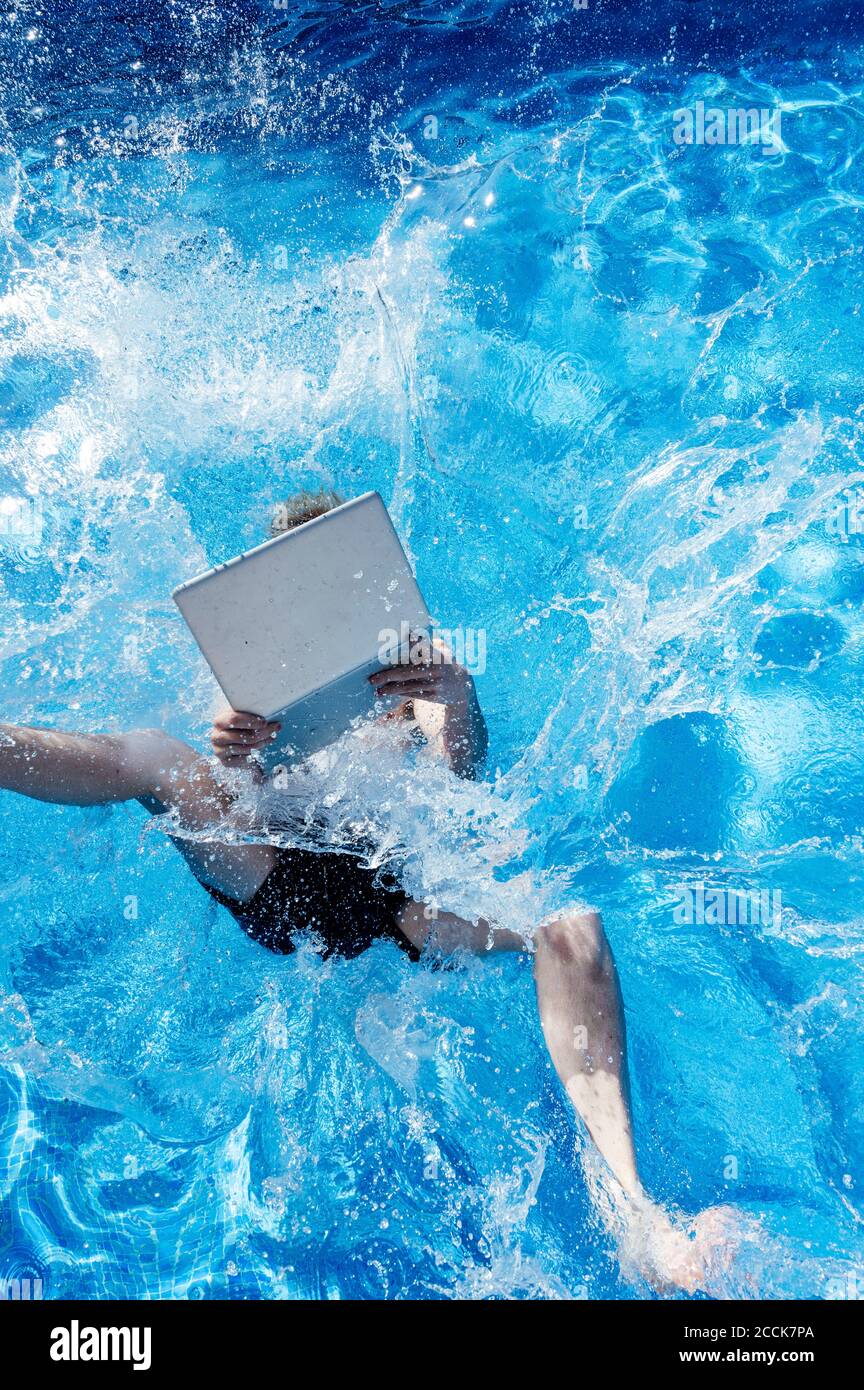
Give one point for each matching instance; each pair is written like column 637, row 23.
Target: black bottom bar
column 254, row 1339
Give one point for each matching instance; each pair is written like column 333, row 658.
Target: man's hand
column 235, row 736
column 442, row 681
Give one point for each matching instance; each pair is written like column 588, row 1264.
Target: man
column 275, row 892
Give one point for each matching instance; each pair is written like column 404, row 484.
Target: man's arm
column 445, row 707
column 144, row 765
column 464, row 736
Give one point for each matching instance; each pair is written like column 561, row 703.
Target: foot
column 677, row 1254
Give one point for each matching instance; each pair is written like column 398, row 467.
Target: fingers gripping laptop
column 293, row 629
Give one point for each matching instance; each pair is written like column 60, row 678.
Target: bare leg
column 445, row 933
column 146, row 765
column 581, row 1013
column 579, row 1000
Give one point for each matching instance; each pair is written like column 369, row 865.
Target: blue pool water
column 611, row 388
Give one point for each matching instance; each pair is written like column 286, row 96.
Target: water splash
column 606, row 386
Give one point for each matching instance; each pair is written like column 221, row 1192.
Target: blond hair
column 303, row 506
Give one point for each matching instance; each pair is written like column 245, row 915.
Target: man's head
column 303, row 506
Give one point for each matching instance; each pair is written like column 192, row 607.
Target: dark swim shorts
column 333, row 895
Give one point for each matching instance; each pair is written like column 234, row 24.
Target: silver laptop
column 293, row 629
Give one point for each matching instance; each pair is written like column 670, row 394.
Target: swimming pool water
column 610, row 387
